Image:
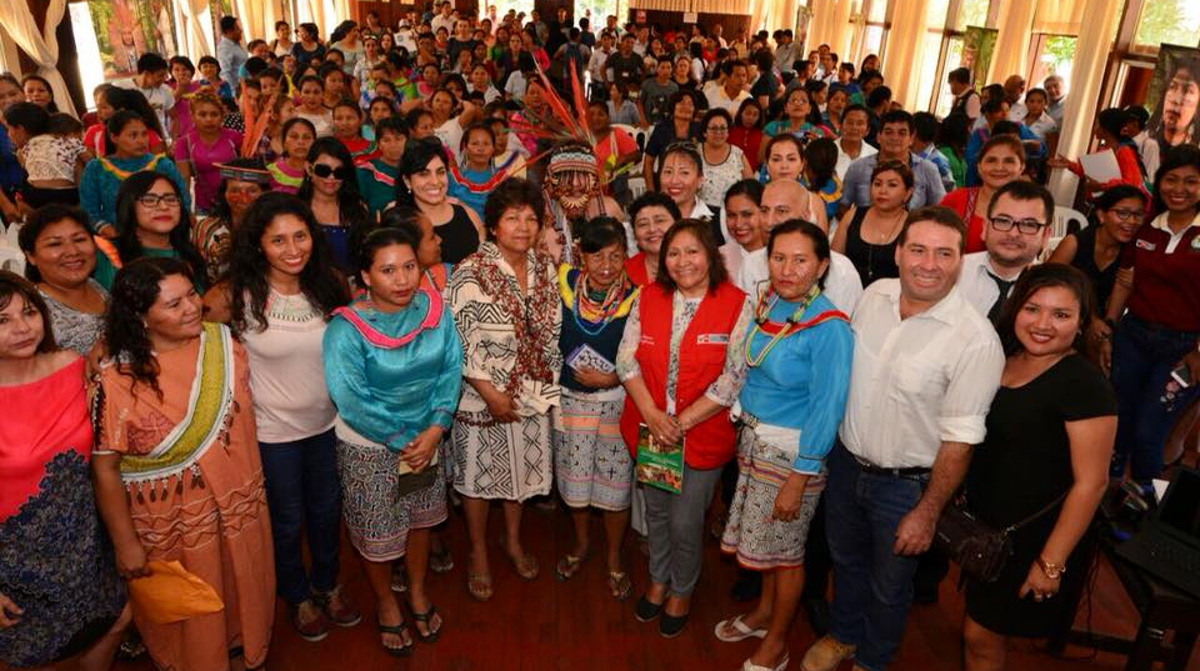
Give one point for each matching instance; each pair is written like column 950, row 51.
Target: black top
column 1103, row 279
column 460, row 238
column 873, row 262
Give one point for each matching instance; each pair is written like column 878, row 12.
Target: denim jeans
column 1143, row 356
column 872, row 586
column 304, row 497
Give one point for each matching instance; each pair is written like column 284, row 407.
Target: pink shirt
column 204, row 158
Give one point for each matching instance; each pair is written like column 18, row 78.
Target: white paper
column 1160, row 488
column 1101, row 166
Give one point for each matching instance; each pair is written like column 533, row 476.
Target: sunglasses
column 325, row 171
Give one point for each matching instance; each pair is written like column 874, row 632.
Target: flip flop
column 441, row 562
column 526, row 566
column 569, row 565
column 743, row 631
column 427, row 619
column 479, row 586
column 750, row 666
column 400, row 630
column 619, row 585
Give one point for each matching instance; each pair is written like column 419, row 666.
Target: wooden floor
column 577, row 626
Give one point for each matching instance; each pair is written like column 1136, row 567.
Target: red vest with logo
column 701, row 359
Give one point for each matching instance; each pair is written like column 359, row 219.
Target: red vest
column 701, row 359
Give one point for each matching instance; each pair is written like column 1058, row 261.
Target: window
column 1167, row 22
column 973, row 13
column 1052, row 55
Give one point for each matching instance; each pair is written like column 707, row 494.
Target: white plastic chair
column 1063, row 217
column 12, row 260
column 12, row 235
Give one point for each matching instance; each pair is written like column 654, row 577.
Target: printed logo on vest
column 1146, row 245
column 712, row 339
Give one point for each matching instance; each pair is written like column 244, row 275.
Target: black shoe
column 645, row 611
column 818, row 616
column 671, row 626
column 748, row 586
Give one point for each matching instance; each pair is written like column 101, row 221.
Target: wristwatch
column 1053, row 571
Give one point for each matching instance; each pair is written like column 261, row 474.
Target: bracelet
column 1053, row 571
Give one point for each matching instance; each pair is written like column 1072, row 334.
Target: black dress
column 873, row 262
column 1103, row 279
column 460, row 238
column 1022, row 465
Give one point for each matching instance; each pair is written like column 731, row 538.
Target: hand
column 1037, row 584
column 590, row 377
column 663, row 427
column 502, row 406
column 1192, row 361
column 10, row 211
column 10, row 613
column 107, row 231
column 790, row 497
column 914, row 535
column 420, row 450
column 1105, row 352
column 1058, row 161
column 1125, row 277
column 131, row 561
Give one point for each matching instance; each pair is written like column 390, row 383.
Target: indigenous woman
column 60, row 595
column 243, row 180
column 592, row 465
column 795, row 118
column 201, row 150
column 377, row 176
column 506, row 306
column 423, row 172
column 682, row 366
column 60, row 256
column 393, row 364
column 477, row 174
column 176, row 465
column 798, row 355
column 330, row 188
column 287, row 174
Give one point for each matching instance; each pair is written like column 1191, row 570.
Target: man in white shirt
column 1016, row 231
column 598, row 63
column 1014, row 88
column 152, row 72
column 926, row 366
column 1058, row 99
column 731, row 94
column 785, row 50
column 444, row 18
column 783, row 200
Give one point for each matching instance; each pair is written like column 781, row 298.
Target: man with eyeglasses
column 1015, row 233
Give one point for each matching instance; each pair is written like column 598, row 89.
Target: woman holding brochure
column 682, row 366
column 798, row 353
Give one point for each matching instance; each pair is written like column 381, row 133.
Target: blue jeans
column 1143, row 356
column 304, row 496
column 872, row 586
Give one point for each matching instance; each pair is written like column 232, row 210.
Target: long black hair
column 133, row 292
column 128, row 99
column 1181, row 156
column 417, row 156
column 353, row 210
column 1041, row 277
column 128, row 245
column 248, row 268
column 12, row 284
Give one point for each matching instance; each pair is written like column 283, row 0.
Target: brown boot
column 826, row 654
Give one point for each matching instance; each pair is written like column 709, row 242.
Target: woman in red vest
column 680, row 362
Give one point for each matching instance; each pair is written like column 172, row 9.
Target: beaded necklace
column 588, row 310
column 763, row 323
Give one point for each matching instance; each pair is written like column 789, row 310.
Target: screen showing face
column 1181, row 507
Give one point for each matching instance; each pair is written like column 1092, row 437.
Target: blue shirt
column 231, row 56
column 927, row 182
column 981, row 136
column 942, row 163
column 800, row 387
column 390, row 394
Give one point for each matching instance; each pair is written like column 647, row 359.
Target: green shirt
column 377, row 185
column 106, row 272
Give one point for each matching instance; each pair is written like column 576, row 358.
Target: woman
column 309, row 49
column 311, row 105
column 477, row 173
column 679, row 125
column 423, row 175
column 651, row 215
column 505, row 303
column 1161, row 329
column 153, row 221
column 1001, row 161
column 592, row 466
column 1096, row 250
column 784, row 160
column 346, row 39
column 680, row 384
column 724, row 163
column 393, row 364
column 856, row 122
column 60, row 257
column 181, row 481
column 679, row 175
column 798, row 354
column 103, row 176
column 287, row 173
column 835, row 104
column 330, row 189
column 1051, row 428
column 377, row 176
column 37, row 91
column 110, row 100
column 53, row 163
column 621, row 109
column 869, row 239
column 243, row 180
column 746, row 133
column 60, row 595
column 347, row 119
column 200, row 153
column 446, row 126
column 682, row 73
column 1110, row 131
column 820, row 176
column 795, row 118
column 282, row 44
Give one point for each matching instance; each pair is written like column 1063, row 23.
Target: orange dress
column 210, row 514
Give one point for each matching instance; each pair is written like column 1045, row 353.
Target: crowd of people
column 368, row 280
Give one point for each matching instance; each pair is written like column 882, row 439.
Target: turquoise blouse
column 98, row 186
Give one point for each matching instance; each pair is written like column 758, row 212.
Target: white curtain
column 40, row 44
column 1012, row 44
column 905, row 51
column 251, row 13
column 199, row 32
column 271, row 14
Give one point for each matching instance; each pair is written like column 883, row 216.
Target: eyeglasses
column 326, row 171
column 152, row 200
column 1004, row 223
column 681, row 145
column 718, row 129
column 1127, row 215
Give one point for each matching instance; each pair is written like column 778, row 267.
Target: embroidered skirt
column 378, row 505
column 501, row 461
column 759, row 541
column 591, row 463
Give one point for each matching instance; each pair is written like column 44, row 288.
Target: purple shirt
column 204, row 159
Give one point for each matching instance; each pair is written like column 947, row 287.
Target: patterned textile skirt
column 56, row 563
column 760, row 541
column 379, row 504
column 501, row 461
column 591, row 463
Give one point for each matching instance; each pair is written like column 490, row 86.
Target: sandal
column 441, row 562
column 479, row 586
column 400, row 630
column 619, row 585
column 569, row 565
column 526, row 566
column 740, row 630
column 426, row 618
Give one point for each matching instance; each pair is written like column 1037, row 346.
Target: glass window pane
column 877, row 13
column 1054, row 57
column 873, row 40
column 1168, row 22
column 928, row 69
column 973, row 13
column 953, row 59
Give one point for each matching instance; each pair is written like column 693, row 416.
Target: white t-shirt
column 160, row 98
column 451, row 133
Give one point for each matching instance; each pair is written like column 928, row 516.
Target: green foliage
column 1058, row 49
column 1169, row 22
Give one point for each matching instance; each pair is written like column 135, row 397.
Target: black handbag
column 980, row 550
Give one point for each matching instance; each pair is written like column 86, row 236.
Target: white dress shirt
column 977, row 286
column 842, row 284
column 718, row 98
column 919, row 381
column 844, row 160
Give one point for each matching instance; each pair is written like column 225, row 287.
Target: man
column 558, row 30
column 785, row 51
column 926, row 366
column 574, row 55
column 611, row 27
column 230, row 53
column 460, row 41
column 1014, row 88
column 598, row 64
column 587, row 37
column 1016, row 231
column 733, row 92
column 895, row 144
column 1058, row 98
column 1036, row 118
column 151, row 73
column 783, row 200
column 443, row 18
column 625, row 67
column 653, row 101
column 966, row 99
column 829, row 67
column 642, row 46
column 925, row 128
